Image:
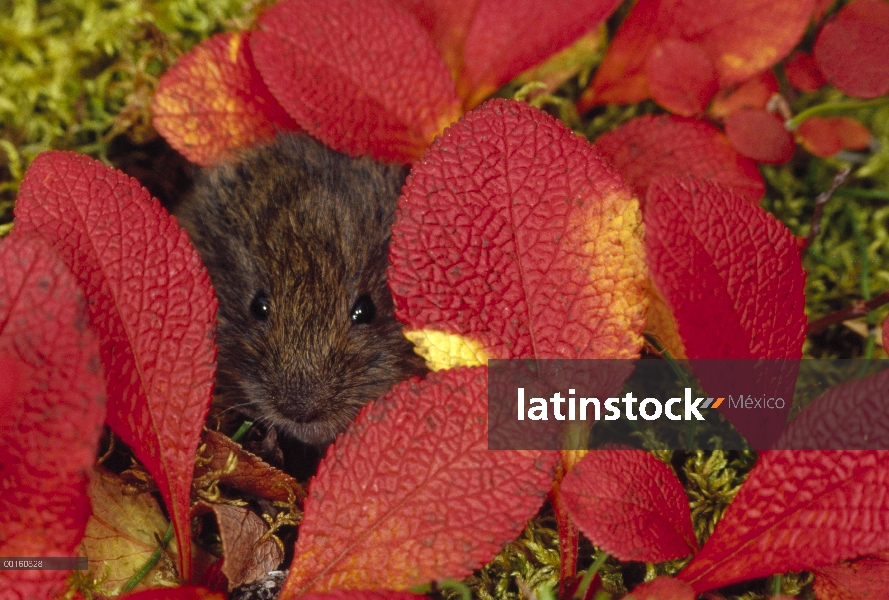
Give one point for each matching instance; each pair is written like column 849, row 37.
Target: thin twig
column 859, row 308
column 820, row 201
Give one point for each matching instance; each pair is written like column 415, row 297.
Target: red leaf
column 486, row 43
column 53, row 404
column 803, row 73
column 863, row 579
column 853, row 414
column 743, row 263
column 512, row 232
column 362, row 77
column 853, row 134
column 410, row 492
column 151, row 302
column 753, row 93
column 651, row 146
column 681, row 77
column 213, row 101
column 797, row 510
column 853, row 49
column 818, row 136
column 821, row 7
column 180, row 593
column 742, row 38
column 630, row 504
column 662, row 588
column 745, row 37
column 759, row 135
column 620, row 78
column 827, row 136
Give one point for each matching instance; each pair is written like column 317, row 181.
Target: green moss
column 75, row 73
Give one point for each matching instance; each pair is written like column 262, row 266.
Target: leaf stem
column 151, row 562
column 863, row 194
column 857, row 309
column 590, row 573
column 777, row 581
column 242, row 431
column 793, row 123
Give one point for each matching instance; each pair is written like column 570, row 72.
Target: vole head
column 295, row 237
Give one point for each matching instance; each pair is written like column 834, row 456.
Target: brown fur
column 310, row 228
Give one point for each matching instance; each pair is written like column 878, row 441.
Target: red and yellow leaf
column 803, row 73
column 514, row 234
column 852, row 49
column 744, row 264
column 662, row 588
column 797, row 510
column 630, row 504
column 746, row 37
column 410, row 492
column 648, row 147
column 151, row 303
column 753, row 93
column 486, row 43
column 863, row 579
column 759, row 135
column 52, row 397
column 741, row 38
column 681, row 77
column 213, row 101
column 364, row 78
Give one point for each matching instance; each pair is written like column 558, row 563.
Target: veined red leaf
column 866, row 578
column 179, row 593
column 514, row 233
column 662, row 588
column 681, row 77
column 753, row 93
column 53, row 407
column 364, row 78
column 797, row 510
column 213, row 101
column 742, row 39
column 852, row 49
column 744, row 266
column 650, row 146
column 803, row 73
column 151, row 302
column 410, row 492
column 759, row 135
column 488, row 42
column 849, row 415
column 630, row 504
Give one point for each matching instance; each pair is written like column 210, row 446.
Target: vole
column 295, row 237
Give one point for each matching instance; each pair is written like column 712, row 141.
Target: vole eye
column 259, row 307
column 363, row 311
